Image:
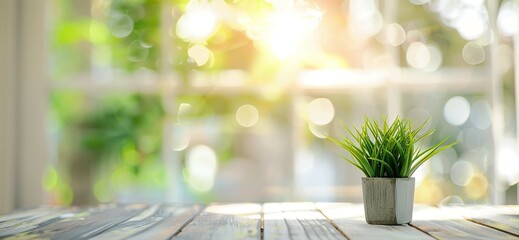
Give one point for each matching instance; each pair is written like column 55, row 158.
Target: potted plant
column 388, row 154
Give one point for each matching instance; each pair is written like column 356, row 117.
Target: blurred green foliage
column 116, row 139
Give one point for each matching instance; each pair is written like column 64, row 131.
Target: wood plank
column 171, row 220
column 349, row 218
column 82, row 223
column 503, row 218
column 23, row 221
column 296, row 221
column 225, row 221
column 448, row 223
column 143, row 220
column 7, row 220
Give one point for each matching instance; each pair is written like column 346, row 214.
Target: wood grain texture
column 132, row 226
column 296, row 221
column 503, row 218
column 80, row 223
column 172, row 219
column 255, row 221
column 155, row 222
column 349, row 218
column 448, row 223
column 23, row 221
column 225, row 221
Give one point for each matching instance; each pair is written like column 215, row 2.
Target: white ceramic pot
column 388, row 201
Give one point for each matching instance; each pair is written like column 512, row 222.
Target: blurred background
column 229, row 100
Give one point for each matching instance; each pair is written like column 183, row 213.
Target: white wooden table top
column 255, row 221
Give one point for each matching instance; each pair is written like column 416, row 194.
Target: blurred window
column 156, row 100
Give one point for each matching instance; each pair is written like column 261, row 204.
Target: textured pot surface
column 388, row 201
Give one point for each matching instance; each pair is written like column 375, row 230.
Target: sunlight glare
column 198, row 23
column 508, row 162
column 289, row 29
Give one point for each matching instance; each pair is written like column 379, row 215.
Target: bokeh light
column 50, row 178
column 435, row 58
column 395, row 34
column 481, row 114
column 198, row 23
column 201, row 167
column 427, row 57
column 199, row 53
column 471, row 24
column 321, row 111
column 181, row 137
column 452, row 200
column 137, row 52
column 243, row 82
column 429, row 192
column 419, row 2
column 461, row 173
column 456, row 111
column 366, row 20
column 247, row 115
column 508, row 18
column 473, row 53
column 477, row 186
column 418, row 55
column 448, row 9
column 319, row 131
column 183, row 112
column 120, row 25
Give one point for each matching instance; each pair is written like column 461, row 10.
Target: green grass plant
column 389, row 150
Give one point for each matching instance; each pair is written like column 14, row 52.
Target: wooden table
column 255, row 221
